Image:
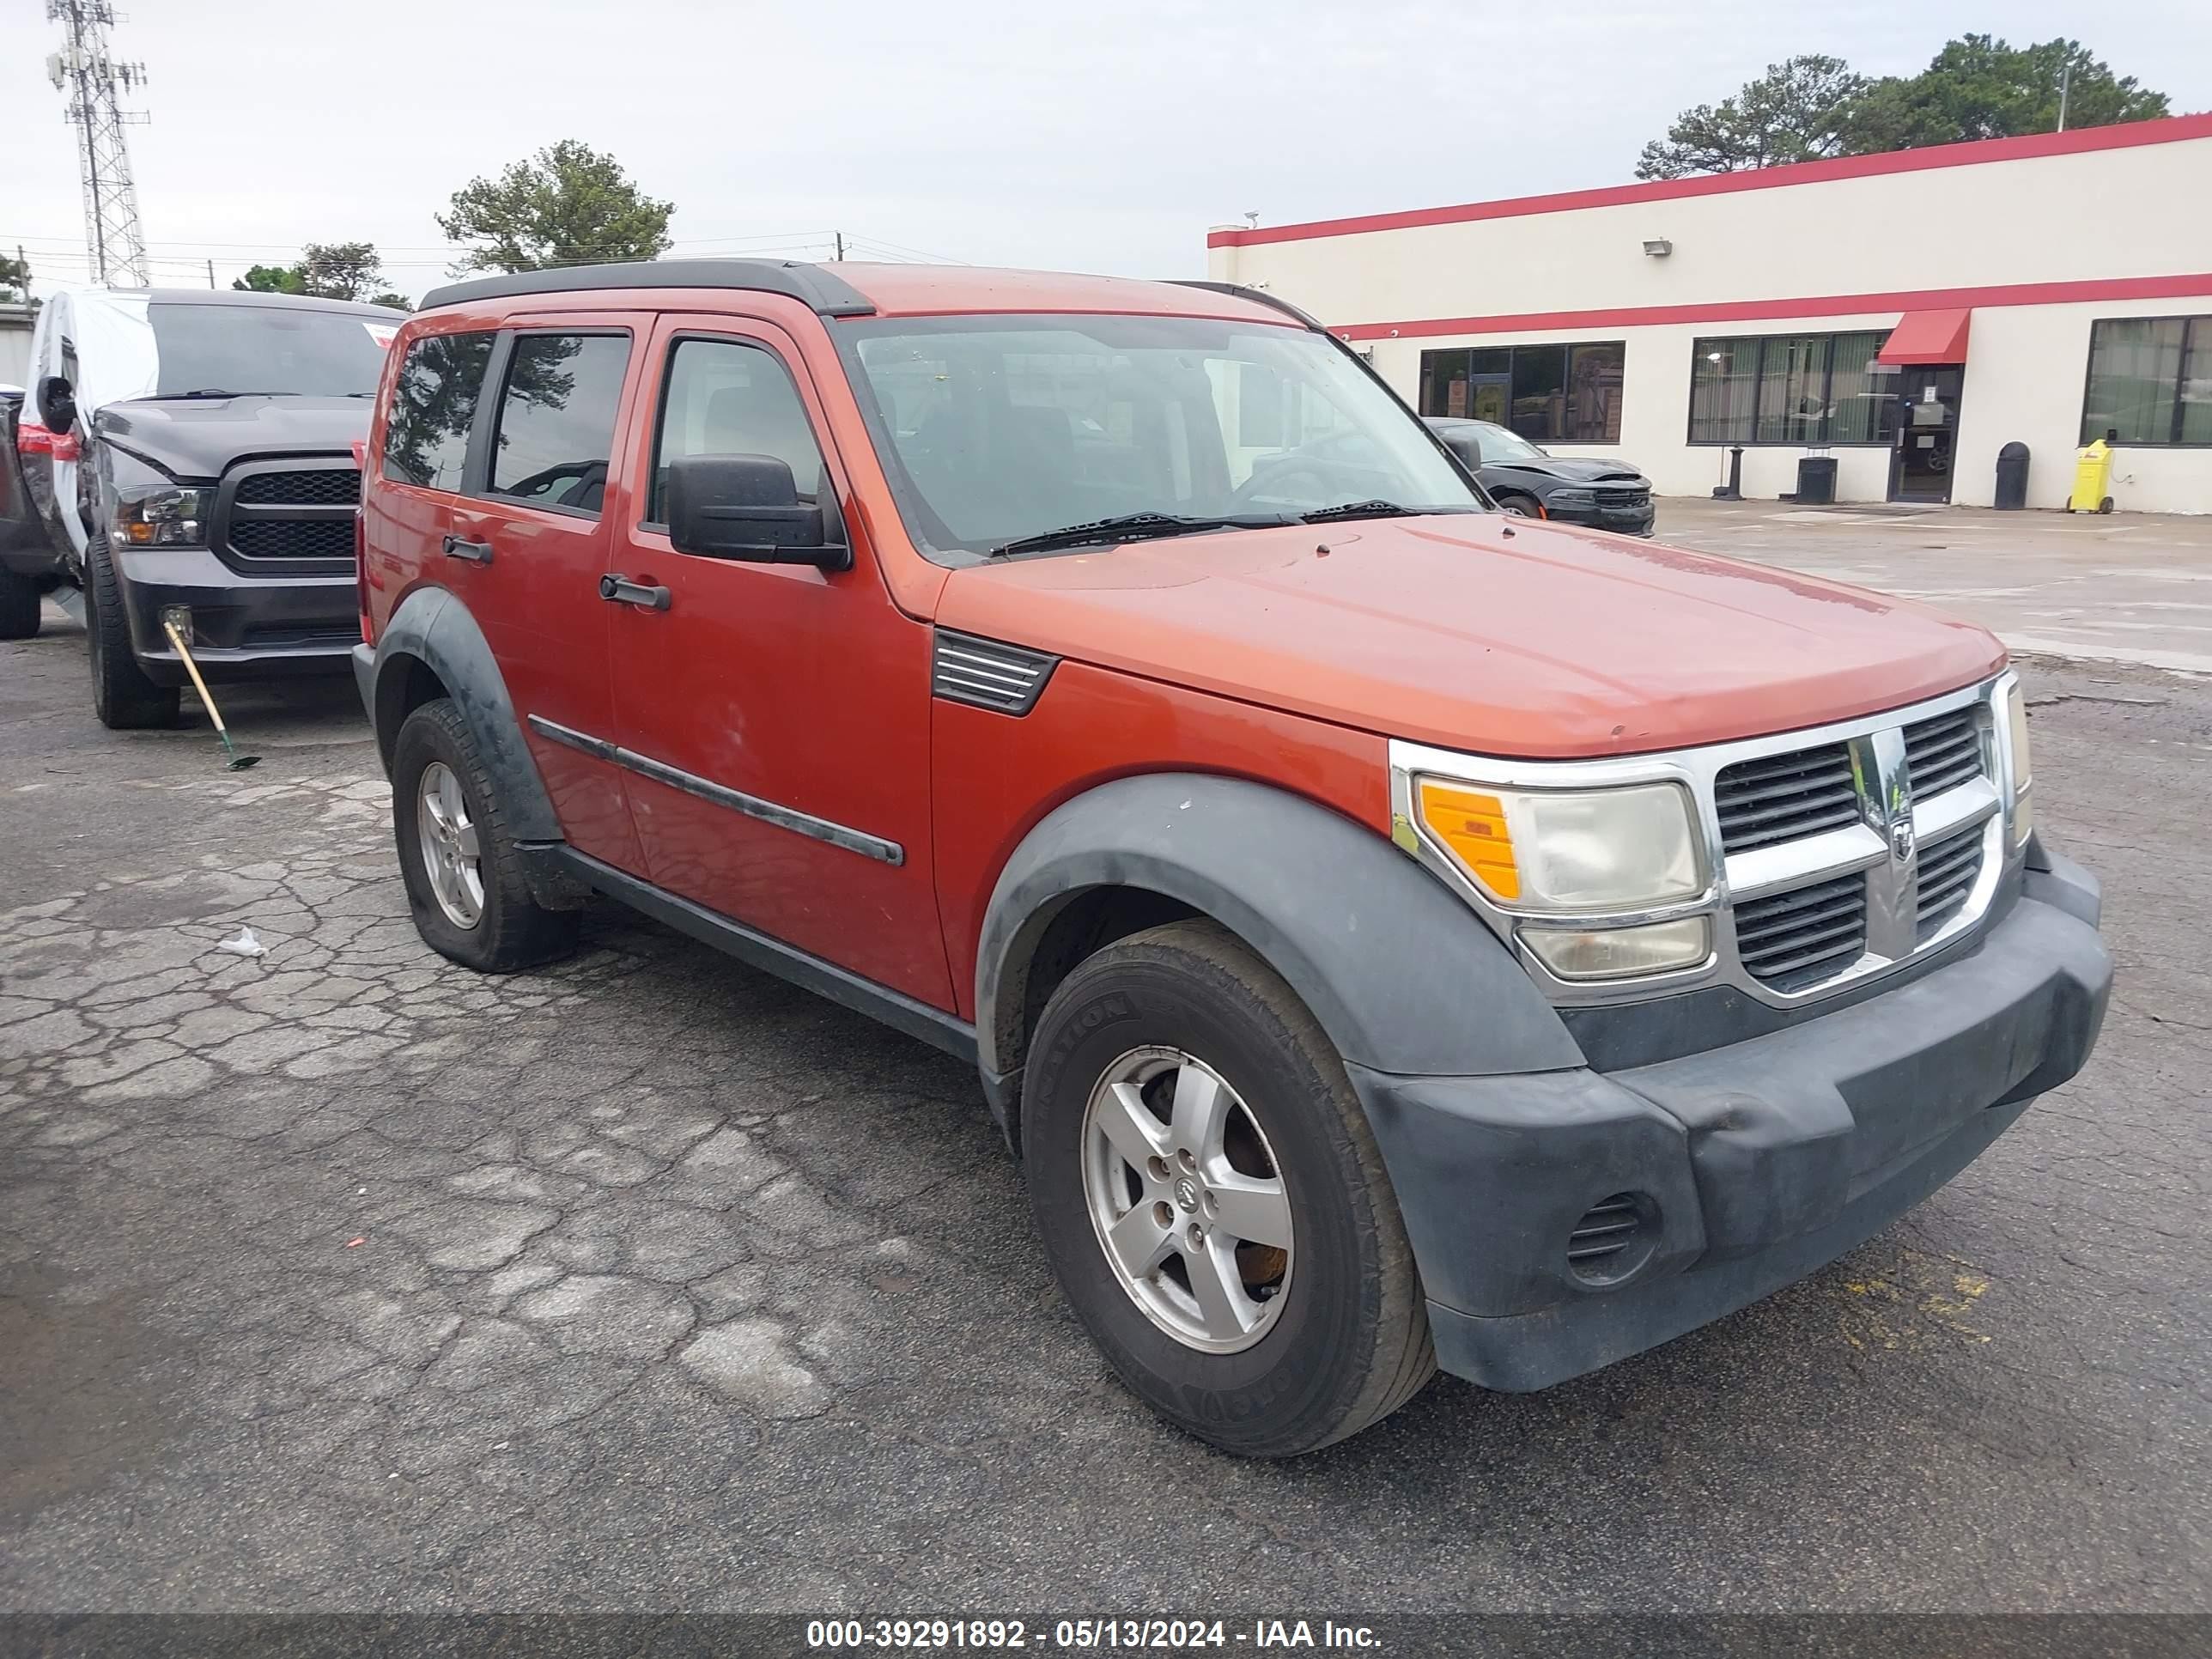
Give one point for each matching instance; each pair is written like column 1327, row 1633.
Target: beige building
column 1907, row 314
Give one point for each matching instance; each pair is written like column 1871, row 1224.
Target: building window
column 2150, row 381
column 1813, row 389
column 1567, row 394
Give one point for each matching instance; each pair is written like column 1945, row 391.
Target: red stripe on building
column 1819, row 304
column 2171, row 131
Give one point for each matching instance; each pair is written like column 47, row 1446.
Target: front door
column 1927, row 432
column 775, row 717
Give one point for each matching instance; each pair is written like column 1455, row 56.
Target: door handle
column 621, row 590
column 474, row 552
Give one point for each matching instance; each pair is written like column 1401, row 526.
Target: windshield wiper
column 1135, row 526
column 1377, row 509
column 215, row 391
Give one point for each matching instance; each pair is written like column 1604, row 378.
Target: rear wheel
column 19, row 605
column 122, row 696
column 463, row 872
column 1213, row 1201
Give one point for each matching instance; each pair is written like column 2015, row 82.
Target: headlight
column 1571, row 498
column 161, row 515
column 1567, row 850
column 2023, row 815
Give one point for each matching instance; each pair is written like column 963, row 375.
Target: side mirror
column 57, row 404
column 747, row 507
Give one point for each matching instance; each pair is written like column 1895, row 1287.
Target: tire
column 1520, row 507
column 2104, row 506
column 1344, row 1339
column 19, row 605
column 122, row 696
column 508, row 929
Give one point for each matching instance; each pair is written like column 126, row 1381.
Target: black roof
column 828, row 294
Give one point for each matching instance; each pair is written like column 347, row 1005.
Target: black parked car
column 1573, row 488
column 190, row 457
column 27, row 566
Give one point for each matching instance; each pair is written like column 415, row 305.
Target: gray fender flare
column 1402, row 976
column 432, row 626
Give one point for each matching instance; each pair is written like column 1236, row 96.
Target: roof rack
column 1257, row 296
column 826, row 294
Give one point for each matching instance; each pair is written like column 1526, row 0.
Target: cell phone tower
column 86, row 73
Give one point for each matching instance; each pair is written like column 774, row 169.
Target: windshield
column 997, row 429
column 1499, row 444
column 250, row 348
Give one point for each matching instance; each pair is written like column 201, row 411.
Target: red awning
column 1927, row 337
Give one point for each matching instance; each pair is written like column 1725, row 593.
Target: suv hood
column 1570, row 469
column 197, row 438
column 1481, row 633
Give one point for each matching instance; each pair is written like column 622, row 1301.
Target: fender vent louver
column 984, row 674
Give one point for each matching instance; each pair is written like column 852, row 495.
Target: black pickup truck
column 190, row 457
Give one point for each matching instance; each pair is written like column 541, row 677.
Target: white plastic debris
column 244, row 945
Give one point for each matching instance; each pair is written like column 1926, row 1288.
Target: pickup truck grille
column 1778, row 798
column 287, row 518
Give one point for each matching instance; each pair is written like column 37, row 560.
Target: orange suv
column 1392, row 934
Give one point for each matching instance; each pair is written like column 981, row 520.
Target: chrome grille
column 1946, row 876
column 1943, row 752
column 1793, row 940
column 1778, row 798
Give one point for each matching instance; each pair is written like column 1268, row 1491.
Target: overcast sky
column 1102, row 138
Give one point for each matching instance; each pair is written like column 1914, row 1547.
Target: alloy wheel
column 1187, row 1200
column 451, row 847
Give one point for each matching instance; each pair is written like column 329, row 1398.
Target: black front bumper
column 243, row 628
column 1626, row 521
column 1749, row 1165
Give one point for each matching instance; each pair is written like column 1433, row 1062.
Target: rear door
column 780, row 712
column 527, row 542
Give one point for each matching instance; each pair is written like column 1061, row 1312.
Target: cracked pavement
column 343, row 1278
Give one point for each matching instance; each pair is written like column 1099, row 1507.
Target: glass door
column 1927, row 432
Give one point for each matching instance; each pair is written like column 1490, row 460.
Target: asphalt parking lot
column 343, row 1278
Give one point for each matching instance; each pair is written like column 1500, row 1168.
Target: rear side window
column 556, row 419
column 725, row 399
column 434, row 405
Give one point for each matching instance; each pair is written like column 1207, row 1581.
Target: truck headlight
column 1554, row 851
column 1573, row 498
column 2023, row 814
column 161, row 515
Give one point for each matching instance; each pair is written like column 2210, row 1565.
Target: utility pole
column 86, row 72
column 840, row 235
column 2065, row 83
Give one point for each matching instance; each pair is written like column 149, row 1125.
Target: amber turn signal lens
column 1473, row 825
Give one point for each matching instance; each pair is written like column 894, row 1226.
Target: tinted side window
column 434, row 405
column 556, row 420
column 725, row 399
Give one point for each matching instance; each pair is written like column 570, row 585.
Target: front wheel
column 1213, row 1201
column 1519, row 507
column 124, row 698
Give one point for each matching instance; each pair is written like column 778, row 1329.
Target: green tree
column 1795, row 111
column 568, row 204
column 1979, row 87
column 269, row 279
column 397, row 301
column 326, row 270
